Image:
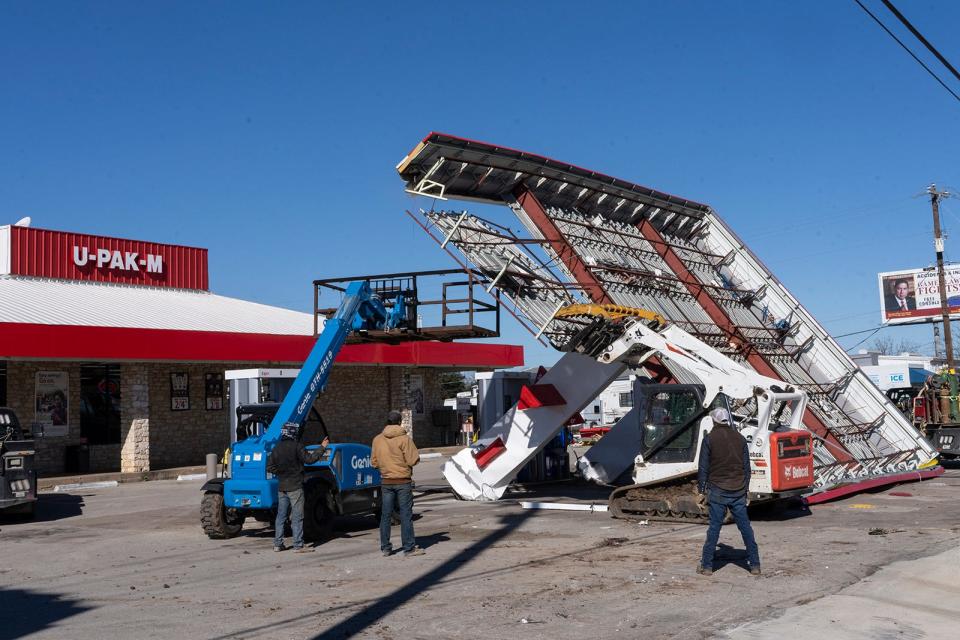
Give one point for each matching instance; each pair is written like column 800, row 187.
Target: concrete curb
column 85, row 485
column 47, row 484
column 448, row 450
column 190, row 477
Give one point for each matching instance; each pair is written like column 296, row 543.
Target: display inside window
column 100, row 403
column 179, row 392
column 213, row 391
column 52, row 395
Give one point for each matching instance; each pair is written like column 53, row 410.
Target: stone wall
column 357, row 399
column 184, row 438
column 104, row 457
column 135, row 418
column 21, row 388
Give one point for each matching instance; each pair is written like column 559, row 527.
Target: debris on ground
column 613, row 542
column 882, row 532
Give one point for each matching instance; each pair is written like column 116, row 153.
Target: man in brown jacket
column 395, row 455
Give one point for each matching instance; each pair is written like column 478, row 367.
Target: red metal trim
column 564, row 250
column 50, row 254
column 659, row 373
column 719, row 316
column 64, row 342
column 857, row 487
column 539, row 395
column 571, row 259
column 485, row 455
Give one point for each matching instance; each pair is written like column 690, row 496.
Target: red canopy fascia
column 74, row 342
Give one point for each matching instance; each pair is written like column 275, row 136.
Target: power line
column 856, row 333
column 905, row 48
column 865, row 339
column 920, row 37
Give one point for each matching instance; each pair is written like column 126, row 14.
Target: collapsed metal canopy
column 594, row 238
column 449, row 167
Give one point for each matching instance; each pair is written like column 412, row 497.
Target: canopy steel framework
column 594, row 238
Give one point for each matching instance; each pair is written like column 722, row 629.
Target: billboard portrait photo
column 914, row 295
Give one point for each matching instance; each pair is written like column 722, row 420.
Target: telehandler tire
column 317, row 517
column 215, row 520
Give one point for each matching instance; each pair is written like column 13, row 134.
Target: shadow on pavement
column 572, row 490
column 384, row 606
column 23, row 612
column 779, row 511
column 49, row 507
column 725, row 554
column 425, row 542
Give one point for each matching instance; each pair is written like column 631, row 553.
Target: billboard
column 914, row 295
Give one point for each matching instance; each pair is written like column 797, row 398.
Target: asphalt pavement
column 131, row 561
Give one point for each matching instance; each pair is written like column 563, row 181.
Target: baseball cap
column 720, row 416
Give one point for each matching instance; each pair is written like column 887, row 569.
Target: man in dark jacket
column 286, row 462
column 724, row 476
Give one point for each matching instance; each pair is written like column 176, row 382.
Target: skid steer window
column 667, row 411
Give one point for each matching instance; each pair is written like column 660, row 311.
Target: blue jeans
column 400, row 495
column 718, row 505
column 286, row 500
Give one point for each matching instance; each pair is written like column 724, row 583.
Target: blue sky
column 269, row 132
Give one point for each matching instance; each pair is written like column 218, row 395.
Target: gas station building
column 116, row 351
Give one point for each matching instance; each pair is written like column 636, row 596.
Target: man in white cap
column 724, row 478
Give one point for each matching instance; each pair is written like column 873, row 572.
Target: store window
column 626, row 399
column 100, row 403
column 3, row 383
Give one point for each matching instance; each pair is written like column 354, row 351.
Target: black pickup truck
column 18, row 478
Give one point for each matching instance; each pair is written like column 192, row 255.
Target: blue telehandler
column 342, row 482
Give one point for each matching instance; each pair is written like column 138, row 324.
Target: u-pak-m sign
column 116, row 259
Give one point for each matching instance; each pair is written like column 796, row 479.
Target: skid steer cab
column 675, row 422
column 342, row 482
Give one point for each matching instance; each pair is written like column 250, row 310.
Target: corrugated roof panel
column 41, row 301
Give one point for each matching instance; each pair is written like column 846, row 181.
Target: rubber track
column 674, row 501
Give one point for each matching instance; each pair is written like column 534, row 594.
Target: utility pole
column 935, row 197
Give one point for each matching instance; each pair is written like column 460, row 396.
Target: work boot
column 416, row 551
column 386, row 553
column 755, row 571
column 303, row 549
column 279, row 547
column 704, row 571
